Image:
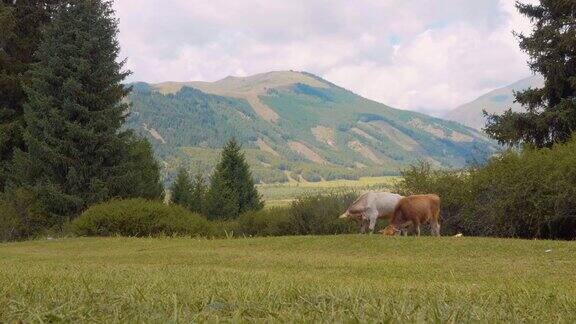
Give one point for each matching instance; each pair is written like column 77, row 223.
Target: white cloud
column 428, row 55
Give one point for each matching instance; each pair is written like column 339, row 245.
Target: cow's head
column 352, row 216
column 390, row 230
column 344, row 216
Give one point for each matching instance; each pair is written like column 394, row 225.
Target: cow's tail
column 437, row 212
column 397, row 215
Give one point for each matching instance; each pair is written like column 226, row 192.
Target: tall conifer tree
column 550, row 115
column 21, row 24
column 138, row 174
column 76, row 154
column 232, row 190
column 198, row 194
column 181, row 190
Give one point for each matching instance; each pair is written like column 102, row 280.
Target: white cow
column 371, row 206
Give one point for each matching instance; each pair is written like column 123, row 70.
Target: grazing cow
column 371, row 206
column 415, row 210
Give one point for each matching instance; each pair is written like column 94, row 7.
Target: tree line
column 62, row 147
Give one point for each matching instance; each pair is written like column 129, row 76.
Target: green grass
column 346, row 278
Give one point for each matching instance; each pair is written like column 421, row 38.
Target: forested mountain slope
column 294, row 125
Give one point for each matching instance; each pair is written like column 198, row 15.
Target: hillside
column 294, row 126
column 496, row 101
column 306, row 279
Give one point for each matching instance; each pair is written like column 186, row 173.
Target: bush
column 267, row 222
column 139, row 217
column 318, row 214
column 528, row 194
column 20, row 216
column 9, row 221
column 311, row 215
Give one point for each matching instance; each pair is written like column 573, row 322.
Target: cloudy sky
column 426, row 55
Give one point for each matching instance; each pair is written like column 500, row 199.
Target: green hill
column 296, row 126
column 496, row 101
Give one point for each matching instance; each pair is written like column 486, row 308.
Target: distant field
column 282, row 194
column 349, row 278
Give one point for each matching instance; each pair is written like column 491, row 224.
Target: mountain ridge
column 496, row 101
column 294, row 124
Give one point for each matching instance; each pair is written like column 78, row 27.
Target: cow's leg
column 372, row 224
column 435, row 223
column 371, row 217
column 417, row 228
column 363, row 226
column 435, row 228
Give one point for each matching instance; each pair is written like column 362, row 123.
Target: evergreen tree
column 198, row 194
column 550, row 115
column 232, row 190
column 21, row 23
column 7, row 110
column 76, row 154
column 181, row 189
column 221, row 200
column 139, row 172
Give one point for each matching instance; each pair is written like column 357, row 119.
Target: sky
column 424, row 55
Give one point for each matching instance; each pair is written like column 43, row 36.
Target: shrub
column 267, row 222
column 9, row 221
column 528, row 194
column 139, row 217
column 318, row 214
column 20, row 215
column 525, row 194
column 308, row 215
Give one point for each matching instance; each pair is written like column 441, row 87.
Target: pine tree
column 139, row 173
column 198, row 194
column 76, row 154
column 550, row 115
column 232, row 190
column 7, row 90
column 181, row 189
column 221, row 200
column 21, row 23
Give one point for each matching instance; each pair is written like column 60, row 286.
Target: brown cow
column 415, row 210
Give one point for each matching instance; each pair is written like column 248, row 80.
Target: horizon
column 424, row 57
column 433, row 113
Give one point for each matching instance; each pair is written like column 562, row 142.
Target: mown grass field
column 348, row 278
column 282, row 194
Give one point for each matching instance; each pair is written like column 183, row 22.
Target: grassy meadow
column 282, row 194
column 343, row 278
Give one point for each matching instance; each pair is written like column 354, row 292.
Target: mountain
column 294, row 126
column 496, row 101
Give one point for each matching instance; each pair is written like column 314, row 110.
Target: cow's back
column 384, row 203
column 360, row 204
